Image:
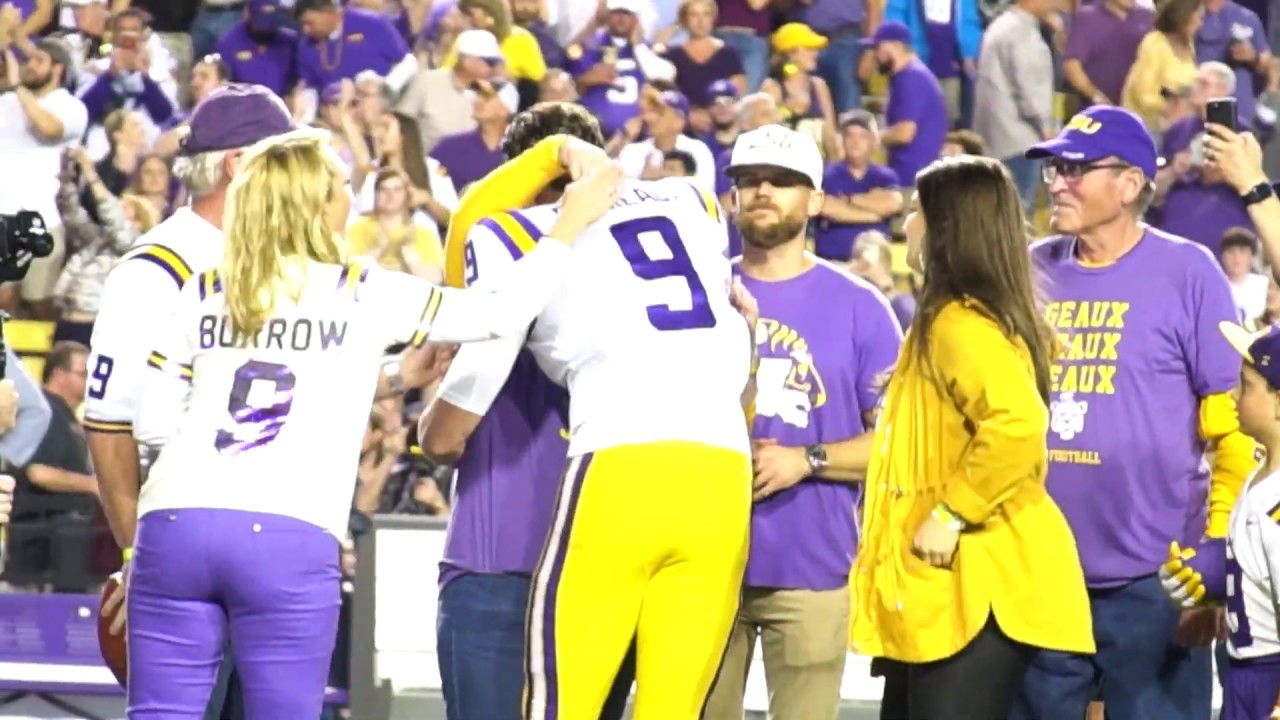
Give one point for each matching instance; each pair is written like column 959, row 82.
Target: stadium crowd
column 418, row 96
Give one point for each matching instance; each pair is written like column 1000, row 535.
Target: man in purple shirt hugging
column 1141, row 393
column 818, row 383
column 505, row 434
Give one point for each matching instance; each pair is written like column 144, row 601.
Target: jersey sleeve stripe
column 492, row 225
column 210, row 284
column 1274, row 513
column 708, row 202
column 531, row 232
column 428, row 317
column 107, row 426
column 167, row 366
column 165, row 259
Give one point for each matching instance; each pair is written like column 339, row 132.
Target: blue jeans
column 1142, row 672
column 1026, row 176
column 754, row 53
column 838, row 65
column 226, row 703
column 209, row 26
column 481, row 646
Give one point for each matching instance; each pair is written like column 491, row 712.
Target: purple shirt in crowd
column 366, row 41
column 819, row 373
column 508, row 475
column 694, row 78
column 1142, row 347
column 268, row 61
column 1233, row 23
column 830, row 16
column 834, row 240
column 466, row 157
column 613, row 104
column 1192, row 209
column 914, row 94
column 944, row 52
column 1106, row 44
column 737, row 14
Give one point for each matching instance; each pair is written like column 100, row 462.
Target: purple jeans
column 270, row 581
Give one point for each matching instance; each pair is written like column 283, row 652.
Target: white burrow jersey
column 137, row 299
column 1253, row 571
column 642, row 332
column 276, row 427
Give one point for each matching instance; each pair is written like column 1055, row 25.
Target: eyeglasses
column 1072, row 172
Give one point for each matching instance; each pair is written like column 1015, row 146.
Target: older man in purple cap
column 1140, row 395
column 666, row 114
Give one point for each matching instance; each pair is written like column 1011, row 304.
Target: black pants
column 978, row 683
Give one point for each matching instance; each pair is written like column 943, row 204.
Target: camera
column 23, row 238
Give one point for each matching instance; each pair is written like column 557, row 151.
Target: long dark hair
column 413, row 158
column 975, row 247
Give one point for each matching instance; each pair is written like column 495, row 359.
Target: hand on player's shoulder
column 587, row 200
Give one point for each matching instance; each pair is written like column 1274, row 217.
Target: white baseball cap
column 632, row 6
column 780, row 147
column 478, row 43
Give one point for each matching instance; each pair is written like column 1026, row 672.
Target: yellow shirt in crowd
column 520, row 53
column 1157, row 66
column 970, row 433
column 365, row 238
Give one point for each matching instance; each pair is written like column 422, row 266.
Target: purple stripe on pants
column 271, row 581
column 546, row 579
column 1250, row 688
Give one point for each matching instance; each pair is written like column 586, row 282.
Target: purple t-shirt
column 693, row 78
column 834, row 240
column 737, row 14
column 1203, row 213
column 819, row 372
column 612, row 104
column 1105, row 44
column 1141, row 348
column 508, row 476
column 271, row 64
column 367, row 41
column 466, row 157
column 1233, row 23
column 914, row 94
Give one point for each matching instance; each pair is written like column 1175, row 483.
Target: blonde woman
column 389, row 235
column 803, row 98
column 257, row 394
column 1166, row 59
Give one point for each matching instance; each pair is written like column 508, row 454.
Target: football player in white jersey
column 1245, row 570
column 258, row 395
column 656, row 358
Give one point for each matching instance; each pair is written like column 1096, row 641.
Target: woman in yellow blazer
column 1166, row 59
column 966, row 565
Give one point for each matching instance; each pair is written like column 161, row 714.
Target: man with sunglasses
column 1139, row 396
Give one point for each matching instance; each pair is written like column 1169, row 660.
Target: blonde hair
column 275, row 218
column 145, row 213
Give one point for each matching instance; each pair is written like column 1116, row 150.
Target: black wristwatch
column 1257, row 194
column 817, row 457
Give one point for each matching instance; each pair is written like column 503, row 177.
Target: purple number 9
column 469, row 259
column 1241, row 636
column 256, row 426
column 679, row 265
column 98, row 378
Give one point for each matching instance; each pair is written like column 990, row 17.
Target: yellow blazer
column 1157, row 66
column 971, row 433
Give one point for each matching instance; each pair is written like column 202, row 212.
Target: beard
column 722, row 126
column 770, row 234
column 36, row 82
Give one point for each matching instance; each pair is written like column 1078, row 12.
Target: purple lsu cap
column 673, row 99
column 235, row 115
column 332, row 93
column 721, row 89
column 266, row 15
column 1102, row 131
column 1261, row 350
column 890, row 31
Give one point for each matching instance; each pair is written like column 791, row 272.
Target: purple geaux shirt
column 1141, row 348
column 825, row 339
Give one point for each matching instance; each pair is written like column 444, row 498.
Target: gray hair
column 201, row 174
column 750, row 104
column 1222, row 73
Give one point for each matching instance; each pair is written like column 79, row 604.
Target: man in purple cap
column 1140, row 395
column 260, row 49
column 339, row 43
column 916, row 115
column 723, row 111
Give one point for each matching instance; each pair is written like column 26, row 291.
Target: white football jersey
column 642, row 332
column 1253, row 571
column 137, row 298
column 276, row 427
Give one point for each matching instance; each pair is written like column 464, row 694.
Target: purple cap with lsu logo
column 1260, row 350
column 235, row 115
column 1100, row 132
